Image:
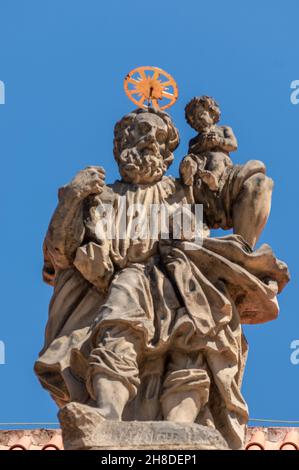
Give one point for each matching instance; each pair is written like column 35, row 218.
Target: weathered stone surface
column 146, row 325
column 84, row 428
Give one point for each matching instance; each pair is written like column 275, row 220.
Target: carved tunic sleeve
column 65, row 234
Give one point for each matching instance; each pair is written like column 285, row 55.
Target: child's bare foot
column 210, row 179
column 188, row 168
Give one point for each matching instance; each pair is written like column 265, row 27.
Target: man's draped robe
column 183, row 295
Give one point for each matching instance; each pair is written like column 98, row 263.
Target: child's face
column 203, row 118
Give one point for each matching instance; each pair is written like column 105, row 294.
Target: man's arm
column 66, row 230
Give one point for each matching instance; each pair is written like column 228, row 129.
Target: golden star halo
column 151, row 86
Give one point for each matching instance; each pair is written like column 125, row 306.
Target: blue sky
column 63, row 64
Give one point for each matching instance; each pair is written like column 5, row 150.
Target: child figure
column 208, row 157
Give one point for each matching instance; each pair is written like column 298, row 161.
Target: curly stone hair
column 205, row 101
column 121, row 133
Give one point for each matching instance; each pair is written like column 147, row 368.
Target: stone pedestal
column 83, row 428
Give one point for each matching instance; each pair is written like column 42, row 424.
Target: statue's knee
column 259, row 183
column 263, row 182
column 195, row 382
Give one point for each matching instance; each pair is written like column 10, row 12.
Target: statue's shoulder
column 169, row 183
column 224, row 127
column 174, row 189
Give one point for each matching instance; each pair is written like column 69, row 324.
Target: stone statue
column 225, row 190
column 149, row 328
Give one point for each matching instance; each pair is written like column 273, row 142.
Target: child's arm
column 228, row 142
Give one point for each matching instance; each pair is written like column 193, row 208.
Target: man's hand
column 67, row 229
column 88, row 181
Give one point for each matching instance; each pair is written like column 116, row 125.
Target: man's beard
column 143, row 167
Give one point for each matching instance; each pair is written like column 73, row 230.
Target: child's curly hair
column 205, row 101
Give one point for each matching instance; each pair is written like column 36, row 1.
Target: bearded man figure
column 149, row 328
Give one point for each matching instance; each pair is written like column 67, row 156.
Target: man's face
column 149, row 134
column 141, row 161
